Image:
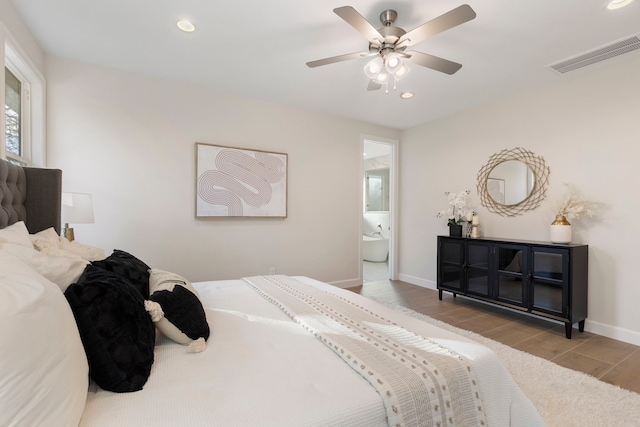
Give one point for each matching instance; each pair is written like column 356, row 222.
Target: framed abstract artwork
column 239, row 182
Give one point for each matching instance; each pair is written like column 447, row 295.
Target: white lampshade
column 401, row 72
column 382, row 77
column 373, row 67
column 77, row 208
column 393, row 63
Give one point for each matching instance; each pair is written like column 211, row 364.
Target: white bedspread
column 420, row 381
column 260, row 368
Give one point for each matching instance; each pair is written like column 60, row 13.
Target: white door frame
column 393, row 203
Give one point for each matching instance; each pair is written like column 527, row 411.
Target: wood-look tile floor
column 609, row 360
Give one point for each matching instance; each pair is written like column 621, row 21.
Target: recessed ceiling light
column 406, row 95
column 186, row 26
column 617, row 4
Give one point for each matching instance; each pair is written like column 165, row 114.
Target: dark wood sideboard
column 540, row 278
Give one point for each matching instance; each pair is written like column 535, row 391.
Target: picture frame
column 240, row 182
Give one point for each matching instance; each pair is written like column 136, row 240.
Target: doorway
column 379, row 205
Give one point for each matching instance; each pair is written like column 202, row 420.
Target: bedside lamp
column 77, row 208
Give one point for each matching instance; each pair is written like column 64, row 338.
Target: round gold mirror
column 512, row 182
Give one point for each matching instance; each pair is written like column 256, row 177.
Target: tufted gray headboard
column 32, row 195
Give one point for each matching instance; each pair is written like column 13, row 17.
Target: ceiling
column 259, row 49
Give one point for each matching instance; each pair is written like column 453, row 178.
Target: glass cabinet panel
column 451, row 265
column 547, row 265
column 510, row 288
column 478, row 258
column 511, row 259
column 512, row 262
column 451, row 252
column 478, row 282
column 548, row 280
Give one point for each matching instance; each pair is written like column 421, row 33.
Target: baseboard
column 352, row 283
column 429, row 284
column 345, row 284
column 620, row 334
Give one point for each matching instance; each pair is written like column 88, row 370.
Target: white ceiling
column 259, row 49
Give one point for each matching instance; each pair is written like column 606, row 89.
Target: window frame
column 25, row 117
column 33, row 129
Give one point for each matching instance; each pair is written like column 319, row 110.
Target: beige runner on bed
column 421, row 382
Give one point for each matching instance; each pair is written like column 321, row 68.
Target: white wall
column 586, row 127
column 12, row 21
column 129, row 140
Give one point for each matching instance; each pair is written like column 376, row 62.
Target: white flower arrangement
column 458, row 207
column 571, row 206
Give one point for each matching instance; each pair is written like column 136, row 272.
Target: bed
column 282, row 351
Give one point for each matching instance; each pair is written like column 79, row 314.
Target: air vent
column 604, row 53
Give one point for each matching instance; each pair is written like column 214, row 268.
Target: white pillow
column 48, row 242
column 160, row 280
column 62, row 270
column 90, row 253
column 16, row 234
column 44, row 370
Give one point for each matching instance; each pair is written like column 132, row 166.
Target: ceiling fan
column 388, row 44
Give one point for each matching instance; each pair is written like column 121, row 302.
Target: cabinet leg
column 581, row 326
column 440, row 294
column 455, row 295
column 567, row 330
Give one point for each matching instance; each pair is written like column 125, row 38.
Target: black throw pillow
column 128, row 266
column 117, row 333
column 183, row 309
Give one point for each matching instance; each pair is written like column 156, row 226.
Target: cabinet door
column 478, row 261
column 511, row 278
column 549, row 285
column 450, row 264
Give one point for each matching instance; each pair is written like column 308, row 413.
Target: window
column 23, row 92
column 13, row 115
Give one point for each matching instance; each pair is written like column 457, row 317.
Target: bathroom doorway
column 379, row 189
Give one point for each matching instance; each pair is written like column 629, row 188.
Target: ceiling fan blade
column 357, row 21
column 373, row 85
column 454, row 17
column 338, row 58
column 433, row 62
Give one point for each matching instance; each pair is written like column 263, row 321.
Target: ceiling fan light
column 393, row 63
column 381, row 78
column 402, row 72
column 373, row 68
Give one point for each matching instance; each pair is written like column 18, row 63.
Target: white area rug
column 562, row 396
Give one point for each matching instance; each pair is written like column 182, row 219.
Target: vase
column 455, row 230
column 466, row 229
column 560, row 230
